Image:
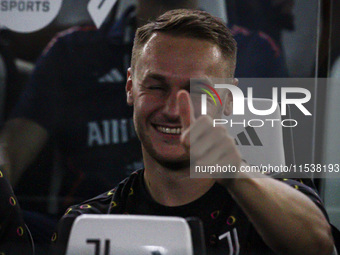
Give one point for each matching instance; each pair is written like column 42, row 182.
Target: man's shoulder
column 305, row 185
column 83, row 39
column 109, row 202
column 96, row 205
column 247, row 38
column 75, row 36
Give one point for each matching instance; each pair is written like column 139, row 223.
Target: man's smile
column 168, row 130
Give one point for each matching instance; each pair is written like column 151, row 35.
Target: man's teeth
column 167, row 130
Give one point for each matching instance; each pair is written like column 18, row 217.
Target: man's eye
column 156, row 88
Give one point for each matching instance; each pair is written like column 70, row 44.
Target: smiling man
column 241, row 215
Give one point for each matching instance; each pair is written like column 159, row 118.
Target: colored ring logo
column 68, row 211
column 85, row 206
column 20, row 231
column 12, row 201
column 231, row 220
column 215, row 214
column 54, row 237
column 113, row 204
column 111, row 192
column 1, row 174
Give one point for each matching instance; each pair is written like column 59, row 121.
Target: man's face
column 164, row 67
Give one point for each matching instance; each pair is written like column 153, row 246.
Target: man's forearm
column 288, row 221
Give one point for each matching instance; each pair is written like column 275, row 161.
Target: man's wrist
column 231, row 181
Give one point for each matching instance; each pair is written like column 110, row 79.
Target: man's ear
column 228, row 104
column 128, row 87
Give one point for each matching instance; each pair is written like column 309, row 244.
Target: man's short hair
column 188, row 23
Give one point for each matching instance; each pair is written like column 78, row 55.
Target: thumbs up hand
column 208, row 145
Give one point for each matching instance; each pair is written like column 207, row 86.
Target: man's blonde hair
column 188, row 23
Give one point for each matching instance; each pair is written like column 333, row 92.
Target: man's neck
column 171, row 187
column 150, row 9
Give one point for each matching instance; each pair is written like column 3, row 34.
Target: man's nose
column 171, row 106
